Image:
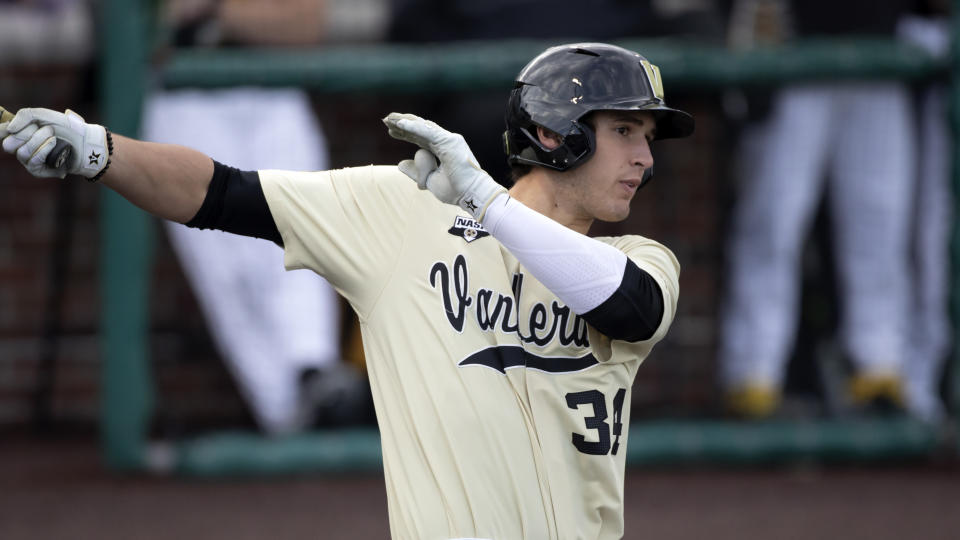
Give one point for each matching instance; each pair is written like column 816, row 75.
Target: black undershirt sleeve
column 235, row 203
column 634, row 311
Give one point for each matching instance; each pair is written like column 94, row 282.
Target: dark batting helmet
column 564, row 83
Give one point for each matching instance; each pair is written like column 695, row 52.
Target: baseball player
column 501, row 341
column 823, row 139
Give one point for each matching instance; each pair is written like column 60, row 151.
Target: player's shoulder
column 631, row 241
column 641, row 248
column 383, row 181
column 369, row 174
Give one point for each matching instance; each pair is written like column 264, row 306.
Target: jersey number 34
column 601, row 446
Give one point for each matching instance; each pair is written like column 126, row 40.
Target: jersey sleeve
column 347, row 225
column 662, row 265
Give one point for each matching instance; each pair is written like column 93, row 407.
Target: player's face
column 607, row 182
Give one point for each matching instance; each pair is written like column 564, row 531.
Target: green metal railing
column 127, row 234
column 482, row 65
column 660, row 443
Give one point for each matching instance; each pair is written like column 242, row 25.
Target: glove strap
column 109, row 155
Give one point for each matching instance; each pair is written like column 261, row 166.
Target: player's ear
column 548, row 139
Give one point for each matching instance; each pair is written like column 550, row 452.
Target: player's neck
column 538, row 191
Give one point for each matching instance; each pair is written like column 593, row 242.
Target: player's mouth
column 630, row 186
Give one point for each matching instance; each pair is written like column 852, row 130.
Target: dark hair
column 518, row 171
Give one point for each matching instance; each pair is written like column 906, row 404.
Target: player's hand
column 33, row 133
column 458, row 178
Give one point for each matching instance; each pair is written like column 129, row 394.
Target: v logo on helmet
column 653, row 75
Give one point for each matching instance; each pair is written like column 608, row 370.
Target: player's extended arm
column 596, row 280
column 168, row 181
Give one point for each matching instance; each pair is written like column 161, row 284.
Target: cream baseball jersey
column 502, row 414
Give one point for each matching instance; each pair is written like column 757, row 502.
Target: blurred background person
column 278, row 332
column 46, row 31
column 930, row 340
column 852, row 142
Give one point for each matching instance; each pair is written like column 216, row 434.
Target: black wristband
column 109, row 155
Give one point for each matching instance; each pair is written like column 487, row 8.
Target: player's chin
column 615, row 213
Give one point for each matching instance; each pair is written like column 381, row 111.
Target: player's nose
column 642, row 155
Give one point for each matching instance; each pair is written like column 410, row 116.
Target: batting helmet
column 564, row 83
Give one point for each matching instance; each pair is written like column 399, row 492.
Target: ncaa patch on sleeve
column 468, row 228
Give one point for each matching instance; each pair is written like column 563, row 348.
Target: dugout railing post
column 127, row 236
column 126, row 390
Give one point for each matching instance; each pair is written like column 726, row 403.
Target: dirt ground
column 59, row 490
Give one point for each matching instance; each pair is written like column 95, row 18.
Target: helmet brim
column 672, row 123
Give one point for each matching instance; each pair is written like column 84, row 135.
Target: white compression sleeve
column 581, row 271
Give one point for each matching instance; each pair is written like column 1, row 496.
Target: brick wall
column 683, row 208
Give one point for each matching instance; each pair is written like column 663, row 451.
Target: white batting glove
column 458, row 179
column 33, row 133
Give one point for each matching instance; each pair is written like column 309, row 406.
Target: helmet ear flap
column 580, row 143
column 574, row 148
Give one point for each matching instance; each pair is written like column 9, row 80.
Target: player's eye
column 623, row 130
